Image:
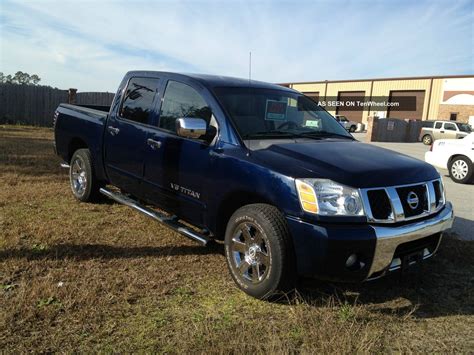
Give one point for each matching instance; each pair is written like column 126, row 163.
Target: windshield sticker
column 276, row 110
column 312, row 123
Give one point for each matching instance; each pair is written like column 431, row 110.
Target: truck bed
column 77, row 126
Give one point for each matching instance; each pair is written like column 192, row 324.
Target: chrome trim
column 389, row 238
column 154, row 144
column 65, row 165
column 398, row 214
column 170, row 221
column 431, row 194
column 191, row 127
column 397, row 207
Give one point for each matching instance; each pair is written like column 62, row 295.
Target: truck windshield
column 267, row 113
column 464, row 127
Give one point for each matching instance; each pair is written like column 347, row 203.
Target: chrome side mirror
column 191, row 127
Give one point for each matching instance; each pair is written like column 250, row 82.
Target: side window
column 138, row 99
column 438, row 125
column 450, row 126
column 181, row 100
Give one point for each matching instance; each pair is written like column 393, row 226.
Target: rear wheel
column 259, row 251
column 427, row 140
column 84, row 185
column 461, row 169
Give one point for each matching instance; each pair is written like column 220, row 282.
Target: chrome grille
column 422, row 194
column 379, row 204
column 397, row 203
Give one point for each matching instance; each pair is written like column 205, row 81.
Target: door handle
column 153, row 144
column 441, row 131
column 113, row 130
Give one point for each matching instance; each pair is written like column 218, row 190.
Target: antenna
column 250, row 66
column 249, row 91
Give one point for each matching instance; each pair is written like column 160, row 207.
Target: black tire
column 427, row 139
column 461, row 169
column 84, row 185
column 352, row 129
column 274, row 271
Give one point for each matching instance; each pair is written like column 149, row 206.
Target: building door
column 352, row 113
column 412, row 100
column 313, row 95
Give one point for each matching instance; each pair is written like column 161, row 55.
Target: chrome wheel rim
column 250, row 253
column 78, row 176
column 459, row 169
column 427, row 140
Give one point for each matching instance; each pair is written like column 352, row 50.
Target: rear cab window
column 137, row 103
column 179, row 101
column 438, row 125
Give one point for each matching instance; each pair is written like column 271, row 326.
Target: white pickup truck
column 456, row 155
column 433, row 130
column 350, row 126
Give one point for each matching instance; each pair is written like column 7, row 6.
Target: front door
column 176, row 169
column 450, row 130
column 125, row 139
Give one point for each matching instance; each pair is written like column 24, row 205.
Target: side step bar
column 171, row 222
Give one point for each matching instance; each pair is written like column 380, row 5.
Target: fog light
column 351, row 260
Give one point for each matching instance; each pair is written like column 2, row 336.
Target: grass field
column 84, row 277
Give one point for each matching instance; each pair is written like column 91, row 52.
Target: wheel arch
column 75, row 144
column 231, row 203
column 456, row 155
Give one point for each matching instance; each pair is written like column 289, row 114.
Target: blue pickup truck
column 261, row 167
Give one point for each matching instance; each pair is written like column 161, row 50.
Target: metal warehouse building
column 437, row 97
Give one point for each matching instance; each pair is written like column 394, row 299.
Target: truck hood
column 349, row 162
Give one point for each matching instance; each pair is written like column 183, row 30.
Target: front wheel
column 461, row 169
column 352, row 129
column 259, row 251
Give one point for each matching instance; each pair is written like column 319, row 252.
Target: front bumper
column 438, row 160
column 322, row 250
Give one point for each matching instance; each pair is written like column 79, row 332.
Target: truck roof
column 212, row 81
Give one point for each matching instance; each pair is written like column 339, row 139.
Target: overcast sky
column 90, row 45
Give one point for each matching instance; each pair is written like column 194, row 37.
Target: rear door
column 438, row 128
column 176, row 168
column 126, row 133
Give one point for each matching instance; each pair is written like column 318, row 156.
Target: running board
column 171, row 222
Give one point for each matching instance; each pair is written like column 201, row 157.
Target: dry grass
column 84, row 277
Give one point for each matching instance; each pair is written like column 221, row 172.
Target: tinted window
column 138, row 99
column 427, row 124
column 450, row 126
column 464, row 127
column 180, row 101
column 270, row 114
column 438, row 125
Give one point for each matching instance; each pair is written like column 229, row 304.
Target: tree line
column 20, row 78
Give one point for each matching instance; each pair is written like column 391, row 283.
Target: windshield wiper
column 321, row 134
column 273, row 133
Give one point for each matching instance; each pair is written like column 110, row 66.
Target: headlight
column 328, row 198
